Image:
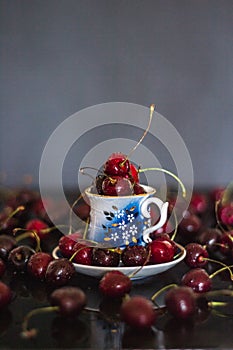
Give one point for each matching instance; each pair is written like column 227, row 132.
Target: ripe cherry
column 180, row 302
column 5, row 295
column 226, row 215
column 189, row 226
column 117, row 164
column 7, row 243
column 135, row 255
column 196, row 255
column 210, row 238
column 70, row 300
column 38, row 226
column 105, row 257
column 67, row 243
column 226, row 242
column 161, row 251
column 37, row 265
column 82, row 254
column 198, row 203
column 115, row 284
column 117, row 186
column 138, row 312
column 197, row 279
column 59, row 272
column 133, row 174
column 138, row 189
column 19, row 257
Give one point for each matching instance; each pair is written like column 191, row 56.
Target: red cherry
column 138, row 189
column 117, row 186
column 117, row 164
column 105, row 257
column 5, row 295
column 198, row 204
column 133, row 171
column 59, row 272
column 83, row 254
column 161, row 251
column 197, row 279
column 114, row 284
column 226, row 215
column 196, row 255
column 37, row 265
column 180, row 302
column 38, row 226
column 66, row 243
column 135, row 255
column 138, row 312
column 226, row 242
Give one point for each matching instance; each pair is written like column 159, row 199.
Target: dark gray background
column 60, row 56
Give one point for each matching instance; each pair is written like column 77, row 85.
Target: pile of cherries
column 119, row 177
column 206, row 231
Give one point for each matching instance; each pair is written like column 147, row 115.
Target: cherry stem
column 222, row 292
column 176, row 226
column 86, row 228
column 169, row 173
column 26, row 234
column 152, row 108
column 140, row 267
column 220, row 270
column 14, row 212
column 156, row 294
column 29, row 333
column 220, row 263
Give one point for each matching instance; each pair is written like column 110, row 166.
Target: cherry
column 189, row 225
column 165, row 237
column 115, row 284
column 19, row 257
column 226, row 215
column 82, row 211
column 210, row 237
column 198, row 203
column 82, row 254
column 133, row 171
column 37, row 225
column 117, row 164
column 99, row 182
column 7, row 243
column 138, row 312
column 138, row 189
column 226, row 242
column 37, row 265
column 196, row 255
column 67, row 243
column 161, row 251
column 135, row 255
column 105, row 257
column 181, row 302
column 117, row 186
column 70, row 300
column 59, row 272
column 5, row 295
column 197, row 279
column 2, row 267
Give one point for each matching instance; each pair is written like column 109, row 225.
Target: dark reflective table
column 92, row 330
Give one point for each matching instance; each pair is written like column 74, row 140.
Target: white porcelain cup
column 116, row 221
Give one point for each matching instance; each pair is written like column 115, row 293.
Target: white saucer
column 145, row 271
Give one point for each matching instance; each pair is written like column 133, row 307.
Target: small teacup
column 116, row 221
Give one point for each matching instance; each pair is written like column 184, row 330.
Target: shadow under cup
column 121, row 220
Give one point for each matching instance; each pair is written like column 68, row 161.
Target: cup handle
column 163, row 207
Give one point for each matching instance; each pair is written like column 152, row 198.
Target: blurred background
column 59, row 57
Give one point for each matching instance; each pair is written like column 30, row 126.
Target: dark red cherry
column 210, row 238
column 197, row 279
column 189, row 225
column 196, row 255
column 59, row 272
column 135, row 255
column 5, row 295
column 117, row 164
column 83, row 254
column 226, row 242
column 138, row 312
column 7, row 243
column 67, row 243
column 37, row 265
column 165, row 237
column 38, row 226
column 180, row 302
column 114, row 284
column 117, row 186
column 133, row 174
column 138, row 189
column 19, row 257
column 2, row 267
column 99, row 182
column 82, row 211
column 198, row 203
column 70, row 300
column 161, row 251
column 105, row 257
